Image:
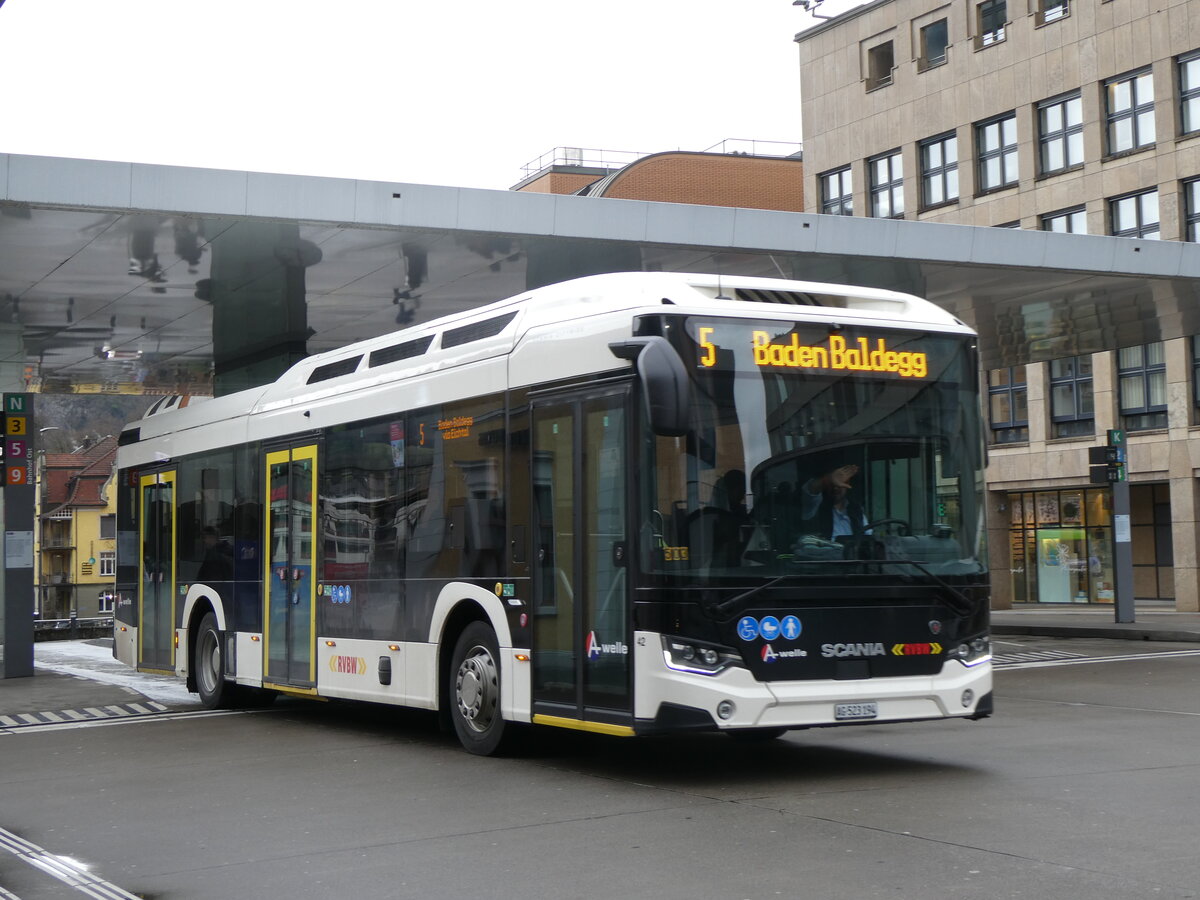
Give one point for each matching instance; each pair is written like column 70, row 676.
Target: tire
column 474, row 691
column 208, row 665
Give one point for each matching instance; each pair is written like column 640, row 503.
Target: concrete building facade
column 1075, row 116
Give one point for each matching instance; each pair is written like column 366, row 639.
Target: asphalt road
column 1085, row 784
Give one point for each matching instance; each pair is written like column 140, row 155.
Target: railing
column 72, row 628
column 750, row 147
column 584, row 157
column 589, row 157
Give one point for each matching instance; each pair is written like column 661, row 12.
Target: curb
column 1112, row 632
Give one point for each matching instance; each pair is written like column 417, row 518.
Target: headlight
column 972, row 652
column 685, row 655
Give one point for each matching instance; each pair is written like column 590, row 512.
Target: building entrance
column 1061, row 545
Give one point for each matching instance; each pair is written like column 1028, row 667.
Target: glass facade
column 1061, row 546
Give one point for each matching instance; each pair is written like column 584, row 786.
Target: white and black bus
column 631, row 503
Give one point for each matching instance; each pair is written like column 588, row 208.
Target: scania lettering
column 633, row 504
column 841, row 650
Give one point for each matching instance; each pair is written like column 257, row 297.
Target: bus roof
column 496, row 329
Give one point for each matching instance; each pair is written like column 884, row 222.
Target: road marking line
column 66, row 870
column 128, row 719
column 1128, row 657
column 74, row 714
column 53, row 717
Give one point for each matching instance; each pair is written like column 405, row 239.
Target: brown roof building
column 749, row 178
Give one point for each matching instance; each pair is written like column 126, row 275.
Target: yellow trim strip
column 150, row 671
column 288, row 689
column 579, row 725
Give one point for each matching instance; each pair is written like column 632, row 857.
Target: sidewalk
column 82, row 677
column 1152, row 622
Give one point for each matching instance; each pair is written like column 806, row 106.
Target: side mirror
column 666, row 388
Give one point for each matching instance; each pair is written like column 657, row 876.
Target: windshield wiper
column 735, row 603
column 963, row 607
column 960, row 603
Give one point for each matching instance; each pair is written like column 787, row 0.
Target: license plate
column 856, row 710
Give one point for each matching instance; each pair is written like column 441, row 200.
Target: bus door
column 289, row 617
column 581, row 636
column 156, row 581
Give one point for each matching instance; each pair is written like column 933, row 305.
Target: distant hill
column 67, row 422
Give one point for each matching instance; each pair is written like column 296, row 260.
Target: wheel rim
column 208, row 662
column 477, row 689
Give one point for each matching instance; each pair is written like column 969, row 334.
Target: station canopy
column 121, row 277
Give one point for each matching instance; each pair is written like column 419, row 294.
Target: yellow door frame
column 292, row 454
column 148, row 480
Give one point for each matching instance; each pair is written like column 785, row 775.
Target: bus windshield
column 817, row 450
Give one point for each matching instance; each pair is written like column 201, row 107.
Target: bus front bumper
column 667, row 699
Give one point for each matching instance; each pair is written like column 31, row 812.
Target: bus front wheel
column 208, row 663
column 475, row 690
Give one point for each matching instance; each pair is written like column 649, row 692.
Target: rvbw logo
column 593, row 649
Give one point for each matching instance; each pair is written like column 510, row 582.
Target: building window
column 990, row 17
column 1191, row 209
column 837, row 195
column 1052, row 10
column 1129, row 110
column 934, row 41
column 880, row 62
column 1013, row 225
column 1189, row 93
column 108, row 528
column 1066, row 221
column 105, row 603
column 939, row 170
column 1195, row 342
column 1135, row 215
column 1071, row 410
column 1008, row 411
column 887, row 186
column 996, row 149
column 108, row 563
column 1060, row 134
column 1142, row 377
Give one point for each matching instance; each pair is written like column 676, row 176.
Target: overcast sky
column 460, row 93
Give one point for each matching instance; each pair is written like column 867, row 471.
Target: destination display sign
column 775, row 346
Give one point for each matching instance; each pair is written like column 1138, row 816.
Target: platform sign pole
column 1122, row 539
column 18, row 535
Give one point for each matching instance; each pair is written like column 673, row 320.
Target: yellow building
column 77, row 533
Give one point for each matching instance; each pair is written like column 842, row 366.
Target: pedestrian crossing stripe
column 1034, row 656
column 89, row 713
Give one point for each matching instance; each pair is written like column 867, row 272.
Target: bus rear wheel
column 475, row 691
column 208, row 663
